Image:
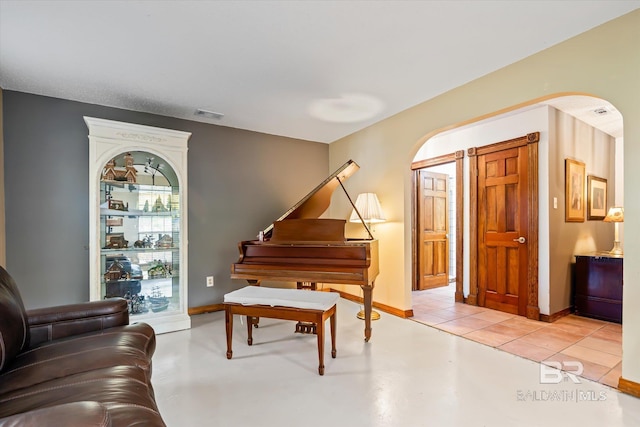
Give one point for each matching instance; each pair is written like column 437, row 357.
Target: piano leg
column 306, row 327
column 367, row 291
column 309, row 286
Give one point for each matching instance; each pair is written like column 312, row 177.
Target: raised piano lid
column 317, row 201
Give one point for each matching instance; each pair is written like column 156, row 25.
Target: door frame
column 458, row 158
column 531, row 141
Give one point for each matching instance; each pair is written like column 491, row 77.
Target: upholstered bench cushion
column 276, row 297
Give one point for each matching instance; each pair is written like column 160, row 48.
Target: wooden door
column 433, row 248
column 503, row 216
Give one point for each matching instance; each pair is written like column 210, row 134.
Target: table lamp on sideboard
column 615, row 215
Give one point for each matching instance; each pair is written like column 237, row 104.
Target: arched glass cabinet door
column 138, row 210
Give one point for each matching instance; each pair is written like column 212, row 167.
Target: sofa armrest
column 77, row 414
column 50, row 323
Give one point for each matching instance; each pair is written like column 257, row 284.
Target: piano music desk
column 286, row 304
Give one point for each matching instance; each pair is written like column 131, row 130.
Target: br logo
column 552, row 372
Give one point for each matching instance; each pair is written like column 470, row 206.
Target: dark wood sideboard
column 598, row 286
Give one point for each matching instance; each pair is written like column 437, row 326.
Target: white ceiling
column 271, row 66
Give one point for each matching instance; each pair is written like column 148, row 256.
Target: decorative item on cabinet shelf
column 117, row 208
column 157, row 300
column 145, row 242
column 133, row 270
column 159, row 270
column 152, row 169
column 158, row 206
column 122, row 277
column 115, row 241
column 136, row 303
column 115, row 271
column 164, row 242
column 114, row 222
column 111, row 172
column 118, row 205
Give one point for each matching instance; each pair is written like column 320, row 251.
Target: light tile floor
column 594, row 343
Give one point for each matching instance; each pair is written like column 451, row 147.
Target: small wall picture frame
column 574, row 191
column 596, row 198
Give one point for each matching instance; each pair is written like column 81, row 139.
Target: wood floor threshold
column 629, row 387
column 555, row 316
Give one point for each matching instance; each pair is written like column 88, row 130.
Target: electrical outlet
column 209, row 281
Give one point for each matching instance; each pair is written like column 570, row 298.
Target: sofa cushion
column 76, row 414
column 123, row 390
column 52, row 323
column 14, row 331
column 130, row 345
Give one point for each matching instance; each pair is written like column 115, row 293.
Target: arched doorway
column 565, row 123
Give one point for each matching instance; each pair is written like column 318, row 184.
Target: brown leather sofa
column 74, row 365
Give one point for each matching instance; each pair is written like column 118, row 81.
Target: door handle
column 520, row 240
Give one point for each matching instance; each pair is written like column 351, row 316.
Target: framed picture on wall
column 596, row 198
column 574, row 179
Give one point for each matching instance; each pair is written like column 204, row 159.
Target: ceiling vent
column 209, row 114
column 601, row 111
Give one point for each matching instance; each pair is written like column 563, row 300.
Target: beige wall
column 604, row 62
column 573, row 139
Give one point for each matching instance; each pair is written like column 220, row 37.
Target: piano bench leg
column 228, row 321
column 332, row 323
column 320, row 334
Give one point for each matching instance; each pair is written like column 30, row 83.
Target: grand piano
column 301, row 247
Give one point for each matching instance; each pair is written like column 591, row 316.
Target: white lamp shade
column 615, row 214
column 369, row 207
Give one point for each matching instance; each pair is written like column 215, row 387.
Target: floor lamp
column 368, row 205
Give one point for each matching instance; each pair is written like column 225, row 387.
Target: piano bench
column 285, row 304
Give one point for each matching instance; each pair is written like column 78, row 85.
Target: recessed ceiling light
column 348, row 108
column 209, row 114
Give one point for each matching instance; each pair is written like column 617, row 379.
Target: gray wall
column 239, row 182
